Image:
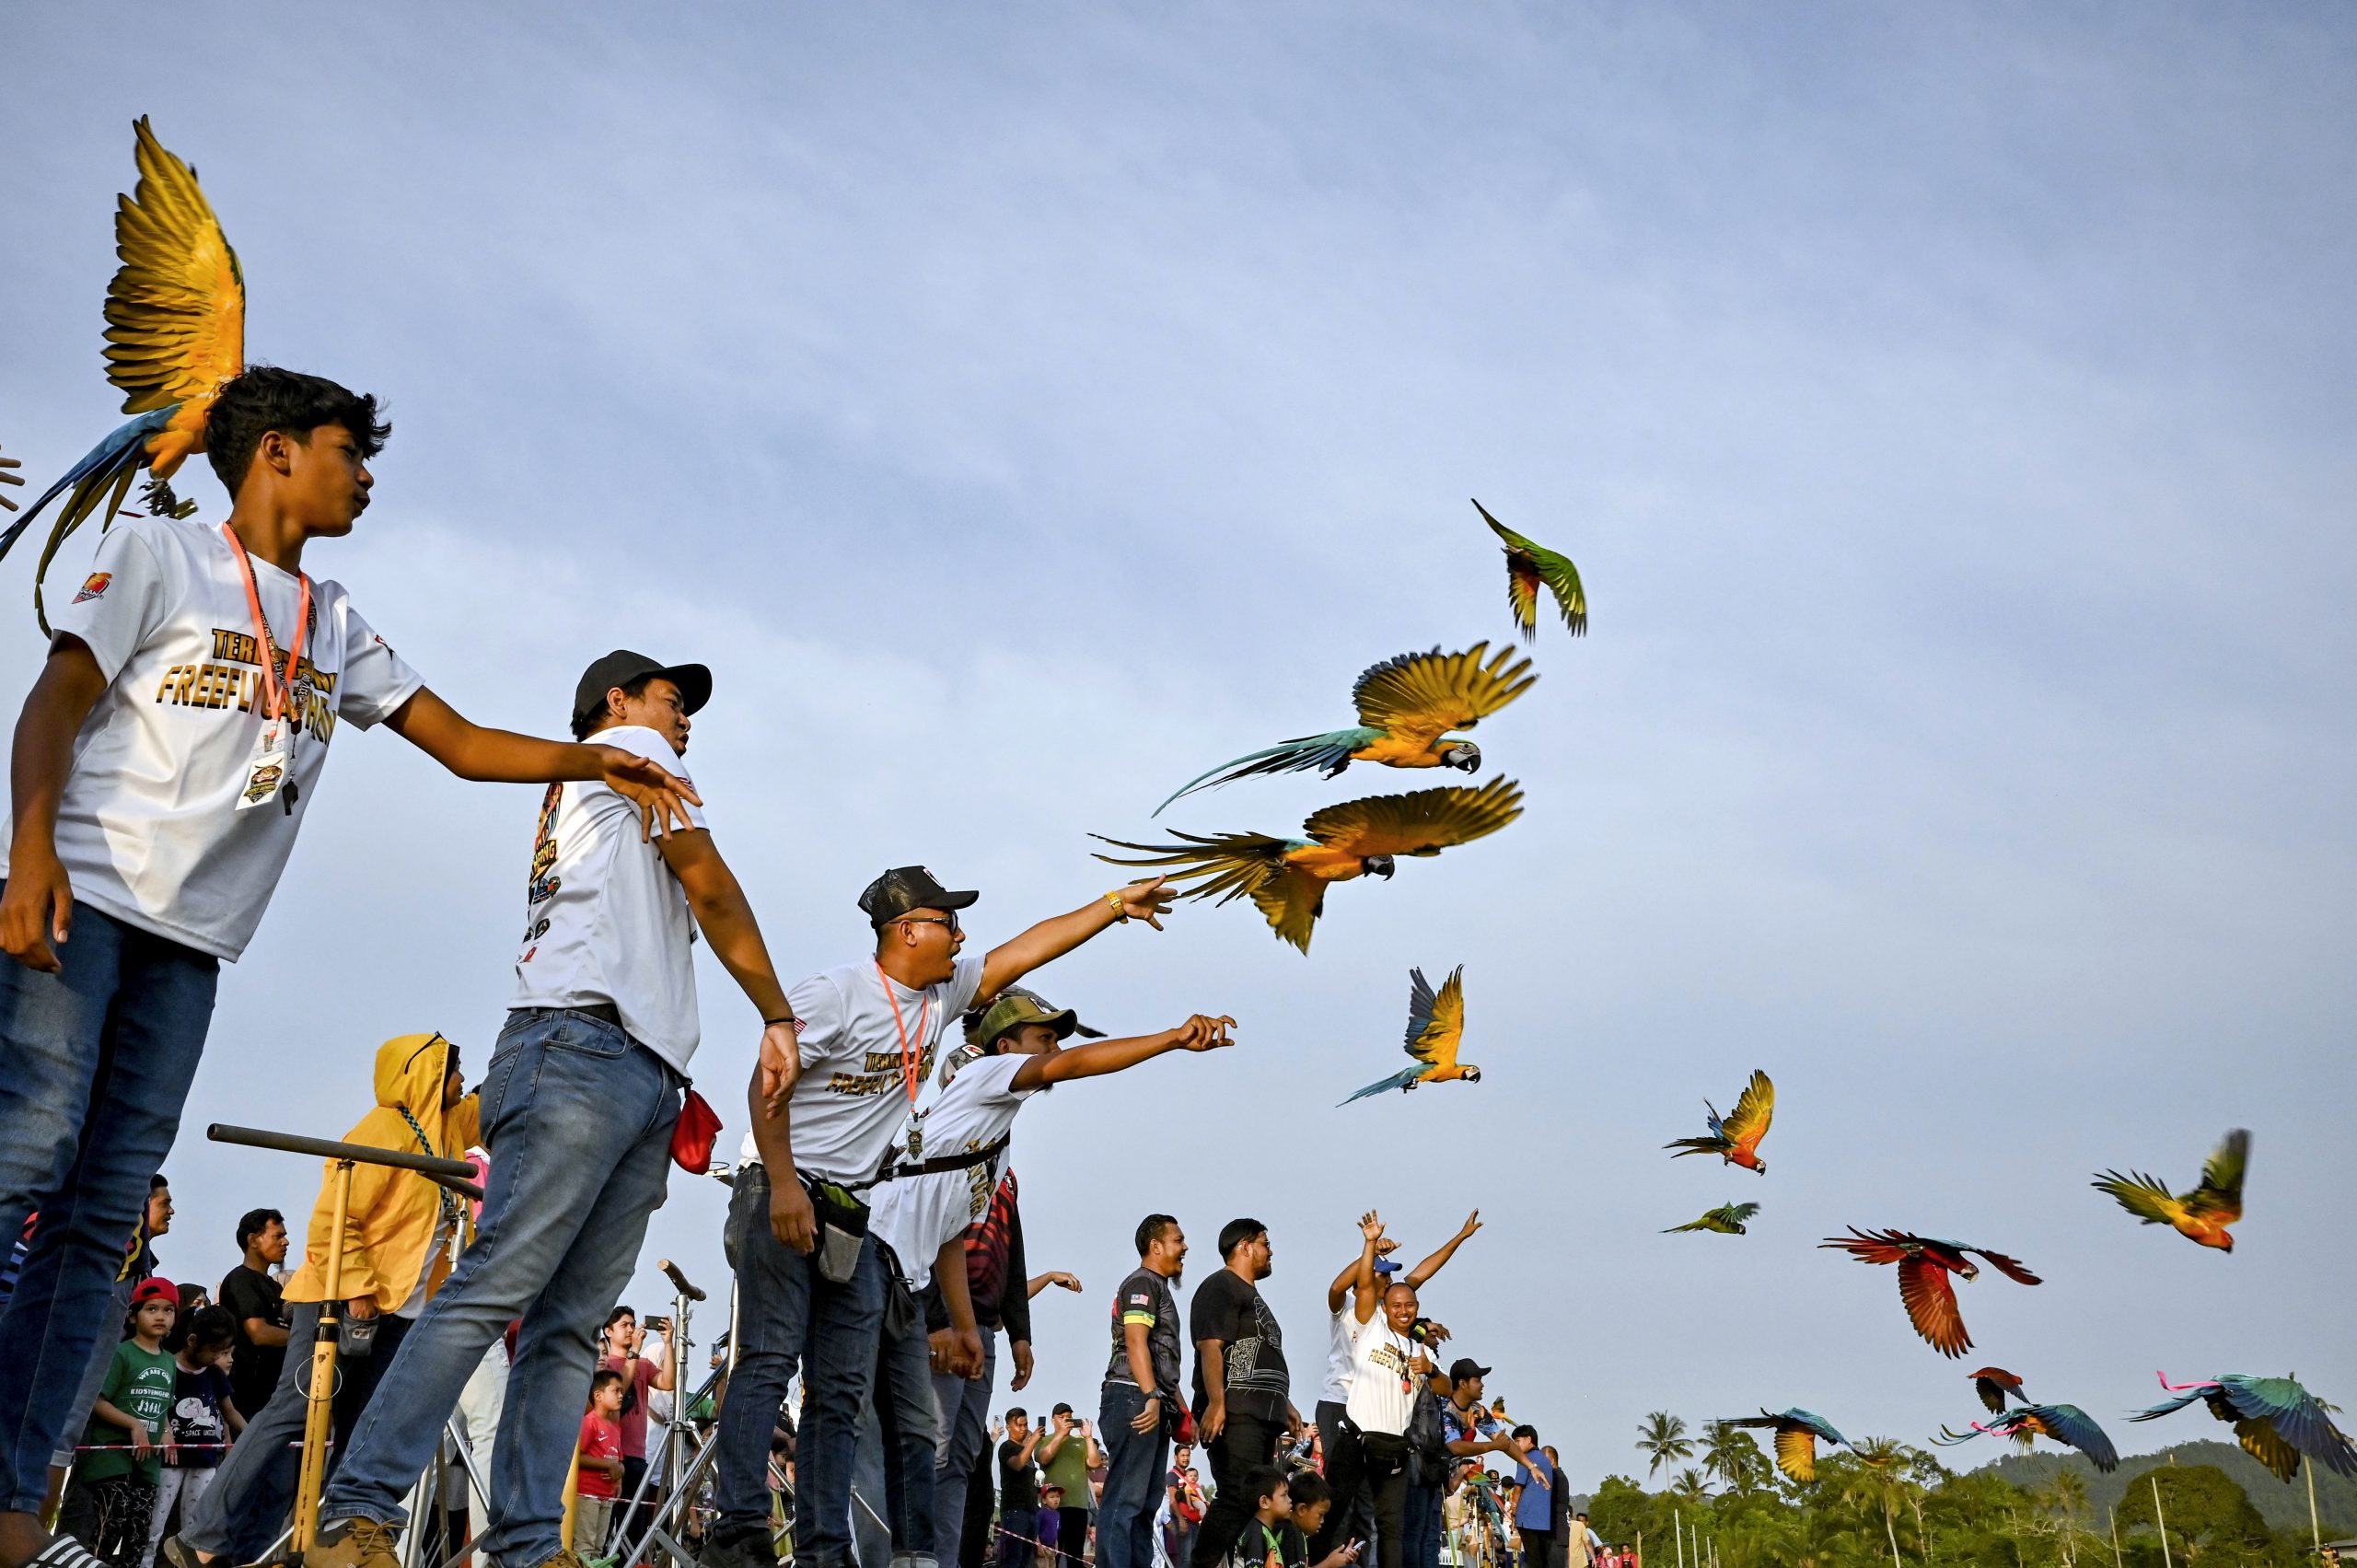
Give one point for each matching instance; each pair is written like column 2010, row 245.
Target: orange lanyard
column 275, row 687
column 911, row 1067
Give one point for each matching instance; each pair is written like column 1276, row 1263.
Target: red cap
column 153, row 1289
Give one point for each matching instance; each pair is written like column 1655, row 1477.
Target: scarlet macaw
column 1286, row 879
column 1797, row 1435
column 2201, row 1216
column 1529, row 566
column 1924, row 1265
column 1727, row 1220
column 2274, row 1419
column 176, row 332
column 1992, row 1384
column 1407, row 706
column 1737, row 1137
column 1435, row 1028
column 2067, row 1424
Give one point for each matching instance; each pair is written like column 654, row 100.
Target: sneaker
column 354, row 1543
column 179, row 1554
column 740, row 1548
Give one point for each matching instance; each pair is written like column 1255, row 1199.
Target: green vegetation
column 1885, row 1499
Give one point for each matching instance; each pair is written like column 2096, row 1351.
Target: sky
column 1022, row 409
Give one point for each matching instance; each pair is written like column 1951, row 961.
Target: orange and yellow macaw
column 1436, row 1028
column 1407, row 707
column 1735, row 1137
column 1286, row 879
column 1529, row 567
column 2201, row 1216
column 176, row 332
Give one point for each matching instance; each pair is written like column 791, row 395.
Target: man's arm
column 1100, row 1057
column 1051, row 939
column 792, row 1220
column 666, row 1376
column 262, row 1331
column 1362, row 1296
column 1208, row 1358
column 1039, row 1282
column 725, row 918
column 38, row 906
column 1134, row 1345
column 1434, row 1264
column 963, row 1353
column 500, row 756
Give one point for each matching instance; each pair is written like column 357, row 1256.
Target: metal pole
column 1677, row 1526
column 2163, row 1523
column 2315, row 1531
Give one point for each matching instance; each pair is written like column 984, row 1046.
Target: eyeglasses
column 948, row 920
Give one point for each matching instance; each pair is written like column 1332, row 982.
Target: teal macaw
column 2067, row 1424
column 2274, row 1419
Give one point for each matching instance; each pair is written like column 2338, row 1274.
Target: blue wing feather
column 2069, row 1424
column 127, row 439
column 1330, row 752
column 2169, row 1407
column 1405, row 1079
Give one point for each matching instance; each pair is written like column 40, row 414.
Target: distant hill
column 2285, row 1507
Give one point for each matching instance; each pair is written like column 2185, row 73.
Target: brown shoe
column 354, row 1543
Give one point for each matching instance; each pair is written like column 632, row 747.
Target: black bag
column 902, row 1316
column 1428, row 1439
column 843, row 1227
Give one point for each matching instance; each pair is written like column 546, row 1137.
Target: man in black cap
column 583, row 1094
column 810, row 1282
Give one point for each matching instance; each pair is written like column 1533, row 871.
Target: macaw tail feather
column 103, row 476
column 1405, row 1079
column 1697, row 1147
column 1330, row 752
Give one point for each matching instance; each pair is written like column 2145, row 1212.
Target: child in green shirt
column 113, row 1493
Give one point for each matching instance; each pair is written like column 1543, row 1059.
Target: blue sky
column 1022, row 410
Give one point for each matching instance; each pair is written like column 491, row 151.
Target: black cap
column 621, row 667
column 1465, row 1366
column 906, row 888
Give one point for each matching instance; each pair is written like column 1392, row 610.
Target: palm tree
column 1730, row 1454
column 1689, row 1486
column 1663, row 1435
column 1882, row 1482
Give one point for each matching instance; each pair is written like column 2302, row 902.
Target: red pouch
column 692, row 1139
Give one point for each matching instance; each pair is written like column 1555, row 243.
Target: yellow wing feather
column 1444, row 1025
column 1423, row 822
column 1419, row 697
column 1753, row 1111
column 1797, row 1453
column 176, row 310
column 1291, row 901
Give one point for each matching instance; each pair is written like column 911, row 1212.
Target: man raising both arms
column 162, row 767
column 810, row 1280
column 578, row 1109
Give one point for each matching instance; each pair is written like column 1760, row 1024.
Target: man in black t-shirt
column 1018, row 1493
column 256, row 1303
column 1243, row 1401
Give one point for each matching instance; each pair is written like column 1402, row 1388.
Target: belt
column 604, row 1012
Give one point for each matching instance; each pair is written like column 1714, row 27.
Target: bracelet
column 1120, row 916
column 771, row 1022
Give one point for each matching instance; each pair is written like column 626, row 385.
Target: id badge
column 266, row 770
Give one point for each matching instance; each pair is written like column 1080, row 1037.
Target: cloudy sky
column 1023, row 409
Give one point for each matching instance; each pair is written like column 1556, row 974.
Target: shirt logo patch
column 93, row 584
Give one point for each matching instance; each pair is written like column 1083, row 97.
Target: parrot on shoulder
column 1435, row 1028
column 176, row 334
column 2274, row 1419
column 2066, row 1424
column 1407, row 706
column 1286, row 879
column 2201, row 1216
column 1796, row 1436
column 1727, row 1220
column 1530, row 567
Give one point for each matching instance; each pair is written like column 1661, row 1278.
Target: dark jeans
column 1385, row 1459
column 965, row 1408
column 1243, row 1445
column 1424, row 1522
column 1338, row 1440
column 1019, row 1528
column 789, row 1314
column 95, row 1065
column 1071, row 1536
column 911, row 1432
column 1537, row 1545
column 1136, row 1470
column 974, row 1537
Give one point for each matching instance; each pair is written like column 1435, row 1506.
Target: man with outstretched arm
column 582, row 1098
column 162, row 767
column 811, row 1281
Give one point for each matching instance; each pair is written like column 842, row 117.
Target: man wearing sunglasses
column 810, row 1282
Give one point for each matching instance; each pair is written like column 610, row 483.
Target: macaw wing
column 2168, row 1406
column 1328, row 753
column 2009, row 1267
column 1419, row 697
column 2295, row 1415
column 1435, row 1023
column 2069, row 1424
column 1815, row 1424
column 2263, row 1442
column 1230, row 865
column 1291, row 900
column 176, row 310
column 1423, row 822
column 2221, row 1192
column 1753, row 1111
column 1931, row 1306
column 2141, row 1195
column 1992, row 1384
column 1797, row 1453
column 1871, row 1245
column 1739, row 1213
column 1530, row 564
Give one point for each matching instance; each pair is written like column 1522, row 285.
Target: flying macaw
column 1992, row 1384
column 1286, row 879
column 2274, row 1419
column 1727, row 1220
column 1737, row 1136
column 2067, row 1424
column 2202, row 1216
column 1925, row 1266
column 1435, row 1028
column 1797, row 1435
column 1407, row 706
column 176, row 333
column 1528, row 567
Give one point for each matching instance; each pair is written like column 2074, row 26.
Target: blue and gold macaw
column 1286, row 879
column 2274, row 1419
column 2067, row 1424
column 176, row 332
column 1407, row 707
column 1435, row 1028
column 1531, row 566
column 1796, row 1436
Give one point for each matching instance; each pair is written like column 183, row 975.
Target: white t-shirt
column 916, row 1215
column 1336, row 1389
column 852, row 1097
column 604, row 918
column 1383, row 1384
column 148, row 828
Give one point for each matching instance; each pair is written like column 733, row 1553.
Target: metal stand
column 668, row 1523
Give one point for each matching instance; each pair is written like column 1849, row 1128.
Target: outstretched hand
column 1203, row 1032
column 9, row 477
column 1058, row 1277
column 1371, row 1226
column 662, row 797
column 1148, row 902
column 1472, row 1222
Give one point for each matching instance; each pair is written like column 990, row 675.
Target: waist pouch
column 902, row 1316
column 355, row 1338
column 843, row 1227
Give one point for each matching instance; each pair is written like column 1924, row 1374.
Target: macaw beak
column 1472, row 1074
column 1464, row 755
column 1971, row 1271
column 1380, row 865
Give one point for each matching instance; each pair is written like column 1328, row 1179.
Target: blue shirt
column 1531, row 1511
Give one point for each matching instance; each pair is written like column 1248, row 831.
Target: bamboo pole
column 2117, row 1560
column 1677, row 1526
column 319, row 1406
column 2315, row 1531
column 2163, row 1523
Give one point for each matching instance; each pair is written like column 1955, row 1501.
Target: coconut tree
column 1881, row 1482
column 1687, row 1486
column 1731, row 1454
column 1662, row 1436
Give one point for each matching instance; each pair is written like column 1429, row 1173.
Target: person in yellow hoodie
column 396, row 1246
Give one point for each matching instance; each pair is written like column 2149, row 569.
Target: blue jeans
column 106, row 1047
column 911, row 1433
column 1018, row 1528
column 578, row 1117
column 1424, row 1518
column 789, row 1314
column 964, row 1405
column 1135, row 1471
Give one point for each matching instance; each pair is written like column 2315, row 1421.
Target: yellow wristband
column 1120, row 916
